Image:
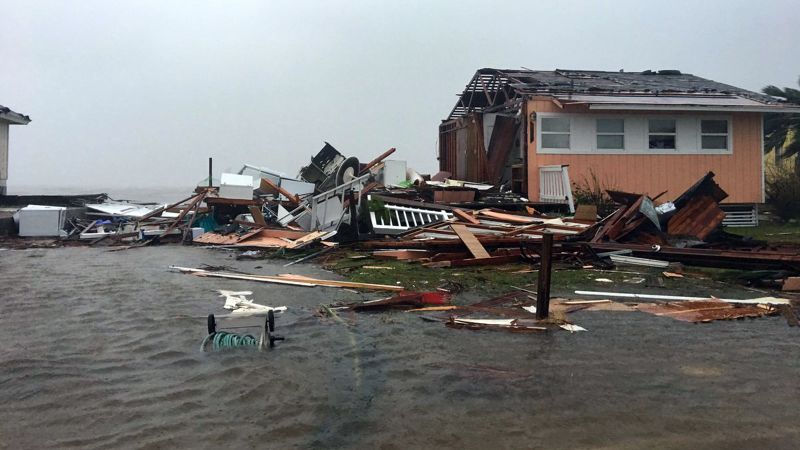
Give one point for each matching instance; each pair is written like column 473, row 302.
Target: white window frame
column 583, row 133
column 542, row 132
column 648, row 133
column 728, row 136
column 606, row 133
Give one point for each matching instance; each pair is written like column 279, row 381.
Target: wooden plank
column 334, row 283
column 506, row 259
column 258, row 216
column 307, row 239
column 158, row 211
column 470, row 241
column 500, row 144
column 505, row 217
column 465, row 216
column 295, row 280
column 197, row 200
column 791, row 284
column 232, row 201
column 267, row 184
column 401, row 255
column 219, row 239
column 698, row 218
column 586, row 213
column 377, row 160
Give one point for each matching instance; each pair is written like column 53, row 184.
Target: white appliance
column 37, row 220
column 233, row 185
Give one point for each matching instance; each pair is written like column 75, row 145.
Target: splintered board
column 470, row 241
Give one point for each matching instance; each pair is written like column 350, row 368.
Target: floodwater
column 101, row 350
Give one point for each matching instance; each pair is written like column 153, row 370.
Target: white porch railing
column 740, row 215
column 402, row 218
column 554, row 186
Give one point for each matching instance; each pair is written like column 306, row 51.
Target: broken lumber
column 294, row 280
column 791, row 284
column 267, row 184
column 470, row 241
column 753, row 301
column 466, row 217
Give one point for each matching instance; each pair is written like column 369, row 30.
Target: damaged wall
column 480, row 147
column 739, row 173
column 461, row 148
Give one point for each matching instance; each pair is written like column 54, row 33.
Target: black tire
column 347, row 171
column 271, row 320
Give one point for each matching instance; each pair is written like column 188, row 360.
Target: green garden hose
column 222, row 340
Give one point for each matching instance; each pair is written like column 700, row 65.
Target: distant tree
column 782, row 131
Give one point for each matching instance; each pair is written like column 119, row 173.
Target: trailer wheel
column 212, row 324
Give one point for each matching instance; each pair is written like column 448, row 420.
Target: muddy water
column 101, row 350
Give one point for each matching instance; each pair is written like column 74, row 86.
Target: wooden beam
column 375, row 161
column 293, row 199
column 470, row 241
column 491, row 260
column 258, row 216
column 465, row 216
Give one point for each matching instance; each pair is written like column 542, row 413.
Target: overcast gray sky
column 142, row 93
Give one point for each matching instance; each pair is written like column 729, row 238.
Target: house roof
column 664, row 89
column 15, row 118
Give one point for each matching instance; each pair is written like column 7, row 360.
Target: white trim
column 597, row 133
column 583, row 134
column 728, row 135
column 674, row 134
column 542, row 132
column 694, row 108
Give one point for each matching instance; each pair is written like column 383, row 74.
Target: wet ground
column 101, row 349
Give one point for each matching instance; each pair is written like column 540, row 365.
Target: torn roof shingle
column 6, row 114
column 665, row 82
column 482, row 91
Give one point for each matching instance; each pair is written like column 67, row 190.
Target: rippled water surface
column 101, row 349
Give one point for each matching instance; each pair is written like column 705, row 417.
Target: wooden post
column 210, row 184
column 351, row 204
column 543, row 287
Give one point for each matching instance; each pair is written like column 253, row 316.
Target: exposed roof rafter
column 590, row 87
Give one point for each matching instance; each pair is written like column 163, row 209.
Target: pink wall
column 738, row 173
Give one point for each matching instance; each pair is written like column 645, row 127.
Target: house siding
column 738, row 173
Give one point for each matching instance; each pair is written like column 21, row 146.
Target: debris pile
column 388, row 211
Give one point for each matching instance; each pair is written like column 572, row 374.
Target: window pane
column 555, row 124
column 555, row 141
column 715, row 142
column 714, row 126
column 662, row 141
column 662, row 126
column 611, row 141
column 610, row 125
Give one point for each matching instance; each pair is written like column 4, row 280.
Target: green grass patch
column 416, row 277
column 773, row 233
